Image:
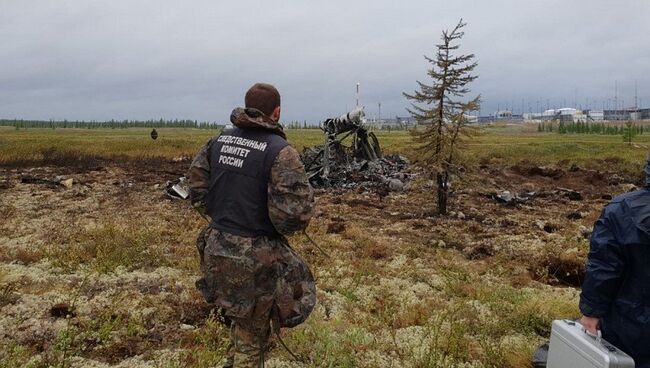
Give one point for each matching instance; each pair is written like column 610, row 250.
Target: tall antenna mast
column 358, row 84
column 636, row 96
column 379, row 116
column 615, row 95
column 575, row 98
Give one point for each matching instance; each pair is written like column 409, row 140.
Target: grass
column 470, row 319
column 7, row 294
column 492, row 328
column 391, row 296
column 514, row 143
column 106, row 247
column 499, row 144
column 14, row 355
column 35, row 144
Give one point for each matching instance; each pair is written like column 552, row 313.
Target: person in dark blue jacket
column 616, row 292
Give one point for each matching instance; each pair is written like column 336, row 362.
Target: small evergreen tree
column 438, row 107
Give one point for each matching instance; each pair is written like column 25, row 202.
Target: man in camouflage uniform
column 252, row 187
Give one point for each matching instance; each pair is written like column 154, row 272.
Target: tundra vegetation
column 102, row 273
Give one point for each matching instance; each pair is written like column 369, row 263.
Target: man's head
column 264, row 97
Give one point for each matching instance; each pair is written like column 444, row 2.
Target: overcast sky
column 136, row 59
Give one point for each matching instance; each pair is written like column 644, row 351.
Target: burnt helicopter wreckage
column 359, row 165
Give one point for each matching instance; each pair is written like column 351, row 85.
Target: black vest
column 240, row 170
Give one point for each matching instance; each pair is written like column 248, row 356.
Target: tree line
column 299, row 125
column 111, row 124
column 160, row 123
column 122, row 124
column 589, row 128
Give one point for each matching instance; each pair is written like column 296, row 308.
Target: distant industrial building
column 393, row 123
column 566, row 115
column 595, row 115
column 472, row 119
column 408, row 122
column 576, row 115
column 627, row 114
column 501, row 116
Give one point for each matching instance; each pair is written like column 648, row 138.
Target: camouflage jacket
column 290, row 197
column 254, row 279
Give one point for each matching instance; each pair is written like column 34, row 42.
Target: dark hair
column 262, row 96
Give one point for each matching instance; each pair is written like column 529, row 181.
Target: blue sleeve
column 605, row 264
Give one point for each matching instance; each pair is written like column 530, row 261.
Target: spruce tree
column 440, row 108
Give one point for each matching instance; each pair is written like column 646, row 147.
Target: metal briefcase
column 572, row 347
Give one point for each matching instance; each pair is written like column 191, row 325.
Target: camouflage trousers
column 247, row 349
column 254, row 281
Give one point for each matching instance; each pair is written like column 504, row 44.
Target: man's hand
column 590, row 324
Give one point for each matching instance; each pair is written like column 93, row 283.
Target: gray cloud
column 81, row 59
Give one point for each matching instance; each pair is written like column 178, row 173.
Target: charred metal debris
column 360, row 165
column 178, row 189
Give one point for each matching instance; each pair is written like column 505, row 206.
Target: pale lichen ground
column 401, row 287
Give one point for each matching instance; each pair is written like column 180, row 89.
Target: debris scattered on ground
column 124, row 183
column 178, row 189
column 67, row 183
column 507, row 197
column 347, row 172
column 34, row 180
column 52, row 183
column 571, row 194
column 454, row 214
column 504, row 197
